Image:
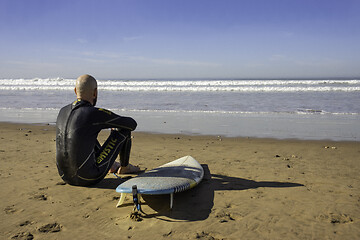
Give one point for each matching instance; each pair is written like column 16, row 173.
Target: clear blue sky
column 180, row 38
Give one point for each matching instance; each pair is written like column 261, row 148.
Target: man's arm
column 108, row 119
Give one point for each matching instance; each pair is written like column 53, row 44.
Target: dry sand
column 252, row 189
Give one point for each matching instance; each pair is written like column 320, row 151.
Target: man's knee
column 124, row 132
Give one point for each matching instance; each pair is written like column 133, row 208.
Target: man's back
column 77, row 128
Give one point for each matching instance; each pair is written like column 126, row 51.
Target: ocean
column 304, row 109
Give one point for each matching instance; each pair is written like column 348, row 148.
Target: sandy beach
column 252, row 189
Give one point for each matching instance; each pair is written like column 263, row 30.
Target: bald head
column 86, row 88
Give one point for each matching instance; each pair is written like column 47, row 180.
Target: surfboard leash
column 116, row 175
column 136, row 198
column 136, row 213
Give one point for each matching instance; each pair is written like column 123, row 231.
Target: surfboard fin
column 121, row 200
column 171, row 200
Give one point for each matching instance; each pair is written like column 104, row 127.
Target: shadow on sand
column 196, row 204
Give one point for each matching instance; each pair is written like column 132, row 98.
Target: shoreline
column 253, row 125
column 183, row 134
column 253, row 189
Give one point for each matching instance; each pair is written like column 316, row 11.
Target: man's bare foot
column 115, row 167
column 128, row 169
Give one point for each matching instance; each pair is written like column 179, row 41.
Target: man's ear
column 75, row 91
column 95, row 93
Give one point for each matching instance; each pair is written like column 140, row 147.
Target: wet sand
column 252, row 189
column 276, row 125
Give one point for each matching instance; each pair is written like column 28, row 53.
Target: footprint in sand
column 51, row 227
column 23, row 236
column 204, row 235
column 167, row 234
column 25, row 223
column 336, row 218
column 225, row 217
column 39, row 196
column 10, row 209
column 340, row 218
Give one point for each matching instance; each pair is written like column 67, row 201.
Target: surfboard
column 173, row 177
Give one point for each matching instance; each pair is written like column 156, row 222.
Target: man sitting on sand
column 80, row 158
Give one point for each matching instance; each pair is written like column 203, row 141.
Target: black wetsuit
column 80, row 159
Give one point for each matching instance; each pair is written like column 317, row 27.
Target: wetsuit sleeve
column 107, row 119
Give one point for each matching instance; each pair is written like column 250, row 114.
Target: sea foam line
column 192, row 88
column 183, row 83
column 117, row 110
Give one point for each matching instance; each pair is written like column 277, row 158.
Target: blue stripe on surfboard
column 176, row 176
column 179, row 188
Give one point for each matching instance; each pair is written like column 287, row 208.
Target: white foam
column 184, row 83
column 300, row 112
column 55, row 84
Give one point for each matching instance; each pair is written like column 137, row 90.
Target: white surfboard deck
column 176, row 176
